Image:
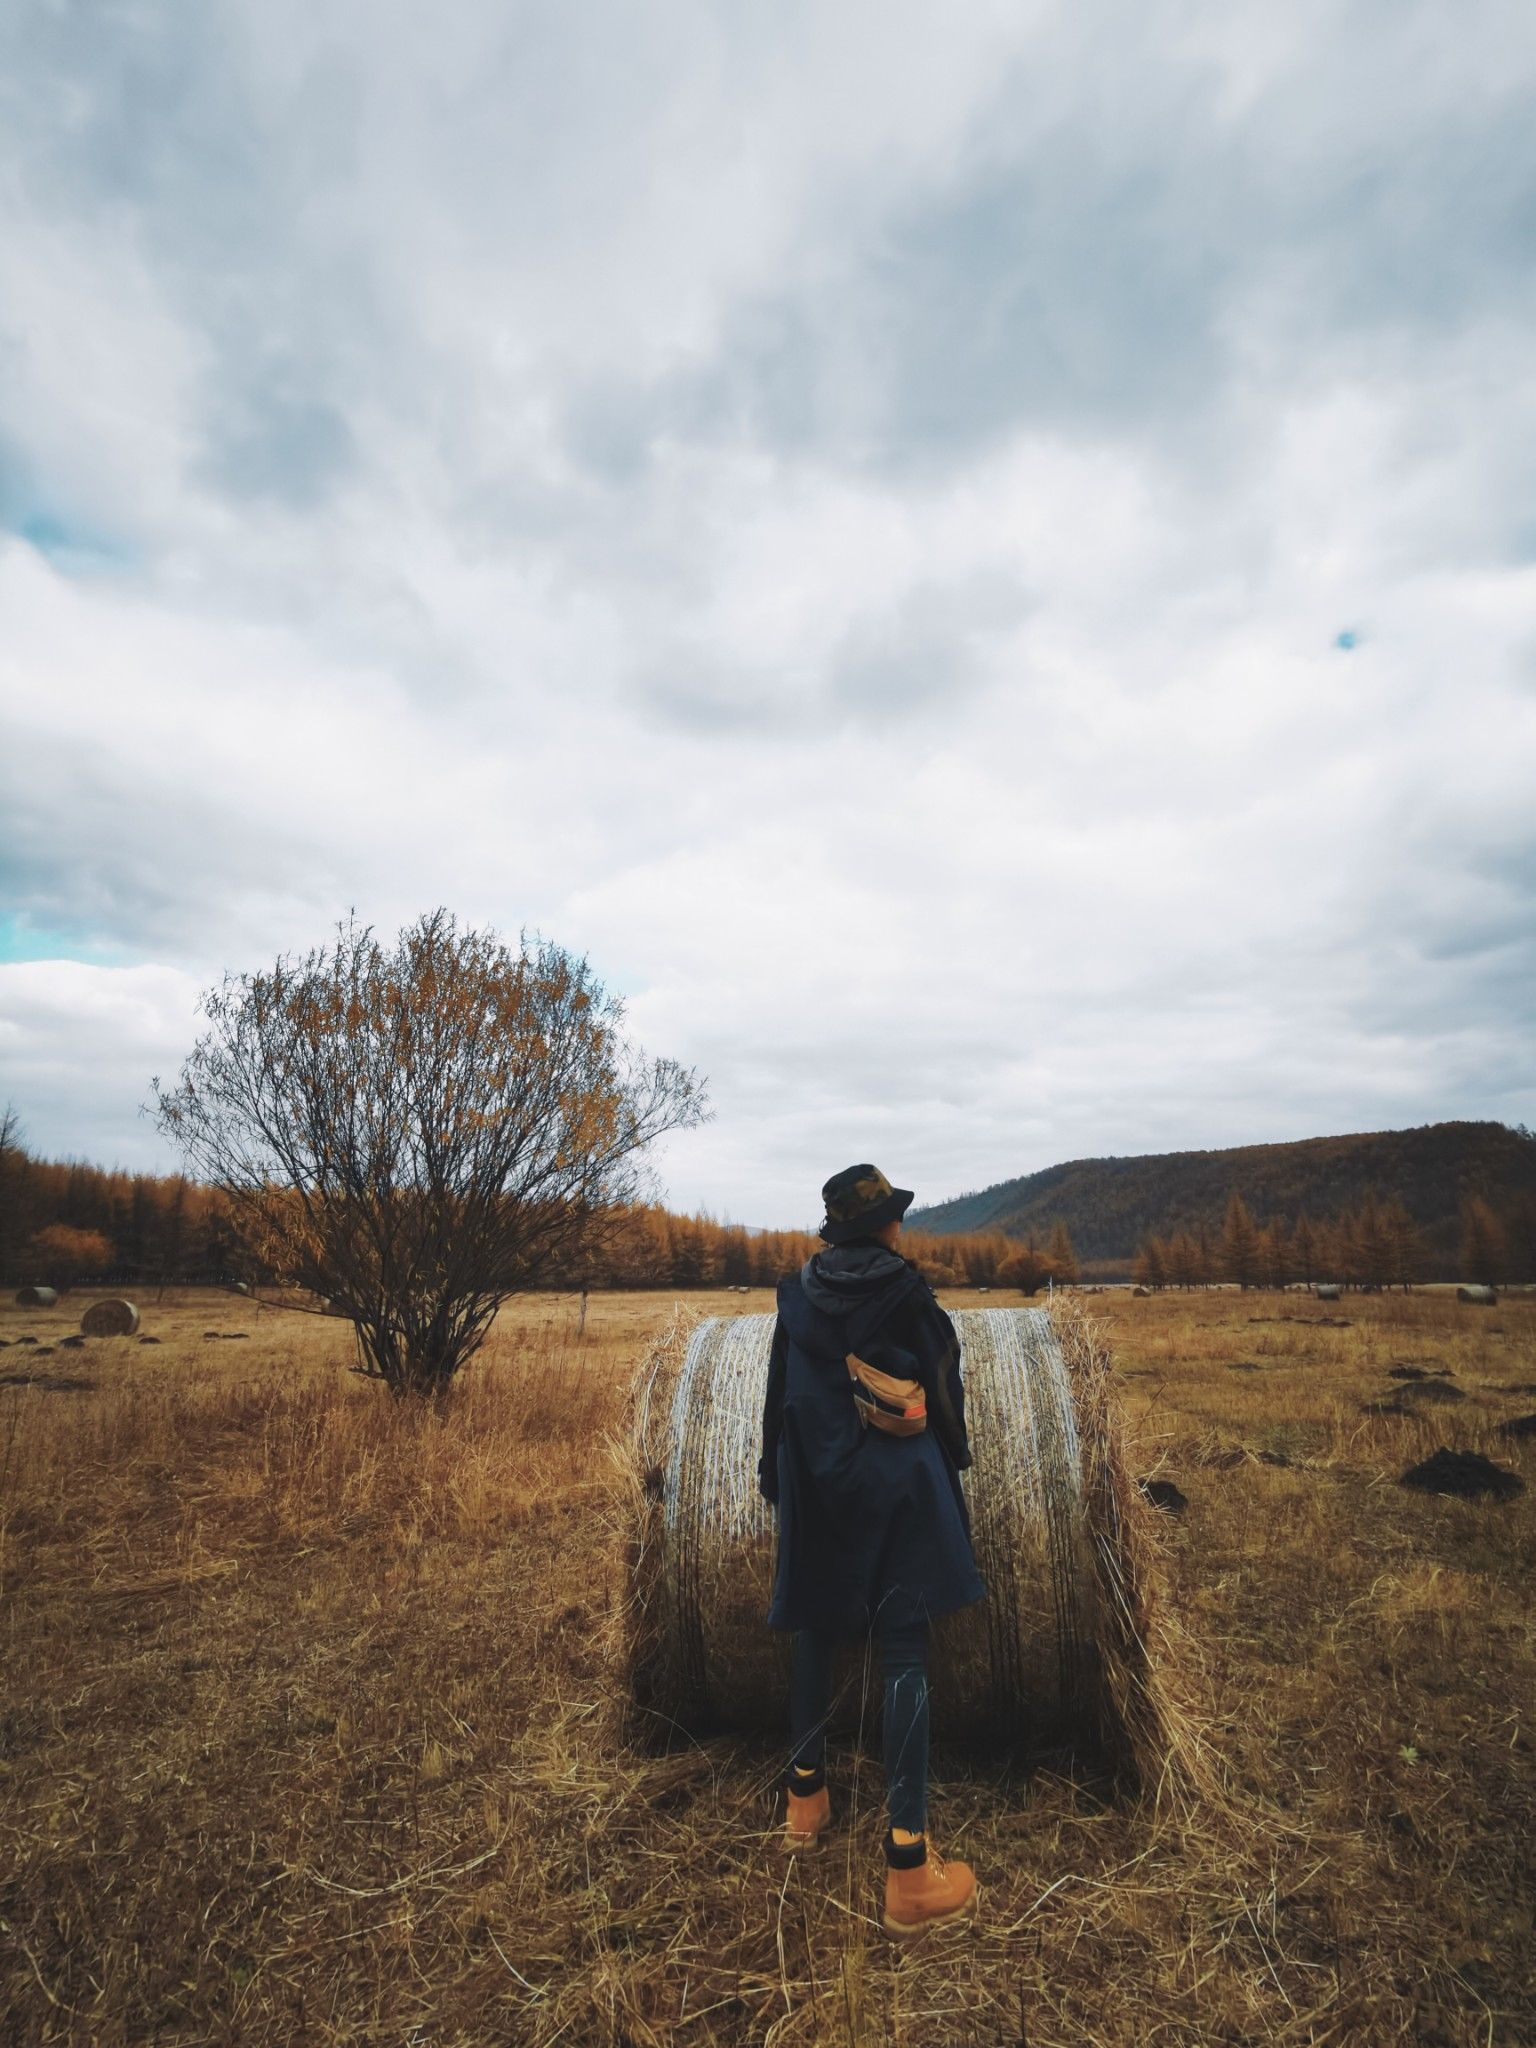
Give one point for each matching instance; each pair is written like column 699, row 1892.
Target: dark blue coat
column 873, row 1528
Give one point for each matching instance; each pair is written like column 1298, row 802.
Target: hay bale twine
column 1328, row 1290
column 37, row 1297
column 1056, row 1651
column 110, row 1319
column 1481, row 1297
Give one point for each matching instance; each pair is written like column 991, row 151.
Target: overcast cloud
column 981, row 562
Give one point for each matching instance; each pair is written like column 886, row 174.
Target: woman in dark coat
column 874, row 1538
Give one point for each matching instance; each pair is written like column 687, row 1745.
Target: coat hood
column 846, row 1276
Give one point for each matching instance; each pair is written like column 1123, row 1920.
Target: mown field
column 313, row 1721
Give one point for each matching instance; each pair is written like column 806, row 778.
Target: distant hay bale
column 1055, row 1655
column 1482, row 1297
column 37, row 1297
column 1328, row 1290
column 110, row 1319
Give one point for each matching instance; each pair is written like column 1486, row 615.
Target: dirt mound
column 1245, row 1365
column 1432, row 1390
column 1165, row 1495
column 1522, row 1425
column 1393, row 1407
column 1417, row 1372
column 1465, row 1475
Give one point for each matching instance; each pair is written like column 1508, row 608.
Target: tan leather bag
column 899, row 1407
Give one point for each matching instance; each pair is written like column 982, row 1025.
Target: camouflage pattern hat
column 859, row 1200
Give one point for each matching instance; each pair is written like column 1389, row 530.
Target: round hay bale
column 1480, row 1297
column 110, row 1319
column 1328, row 1290
column 37, row 1297
column 1056, row 1652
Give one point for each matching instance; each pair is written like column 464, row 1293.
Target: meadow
column 314, row 1725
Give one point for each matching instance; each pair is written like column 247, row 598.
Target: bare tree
column 420, row 1131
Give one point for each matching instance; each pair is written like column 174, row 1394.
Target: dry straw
column 1056, row 1655
column 110, row 1319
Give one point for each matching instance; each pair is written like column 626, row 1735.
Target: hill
column 1110, row 1205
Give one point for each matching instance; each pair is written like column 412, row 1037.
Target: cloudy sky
column 979, row 561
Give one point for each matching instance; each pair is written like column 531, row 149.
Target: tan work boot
column 923, row 1891
column 810, row 1810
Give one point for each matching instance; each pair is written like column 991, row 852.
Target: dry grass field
column 313, row 1722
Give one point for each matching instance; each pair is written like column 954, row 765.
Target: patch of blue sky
column 21, row 939
column 71, row 545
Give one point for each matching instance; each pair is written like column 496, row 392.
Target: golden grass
column 312, row 1726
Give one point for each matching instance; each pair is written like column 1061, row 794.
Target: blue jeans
column 904, row 1663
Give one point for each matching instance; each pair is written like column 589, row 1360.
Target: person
column 864, row 1442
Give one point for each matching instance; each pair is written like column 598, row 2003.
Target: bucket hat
column 858, row 1200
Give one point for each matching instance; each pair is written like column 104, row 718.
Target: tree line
column 65, row 1223
column 1376, row 1244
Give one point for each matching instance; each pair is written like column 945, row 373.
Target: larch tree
column 1151, row 1268
column 1183, row 1258
column 1304, row 1250
column 66, row 1256
column 1482, row 1243
column 12, row 1162
column 1205, row 1257
column 1275, row 1254
column 1063, row 1258
column 1520, row 1237
column 1373, row 1251
column 1405, row 1247
column 1240, row 1250
column 1027, row 1268
column 419, row 1130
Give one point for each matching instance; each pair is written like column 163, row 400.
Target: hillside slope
column 1109, row 1205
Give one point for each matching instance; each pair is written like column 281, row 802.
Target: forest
column 1112, row 1207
